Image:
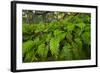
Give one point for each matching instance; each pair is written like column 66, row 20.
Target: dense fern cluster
column 66, row 39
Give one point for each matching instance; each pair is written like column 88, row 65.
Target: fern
column 66, row 36
column 54, row 47
column 42, row 51
column 27, row 46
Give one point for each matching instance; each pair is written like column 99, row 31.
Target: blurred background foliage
column 55, row 36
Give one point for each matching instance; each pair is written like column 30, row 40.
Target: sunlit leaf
column 54, row 46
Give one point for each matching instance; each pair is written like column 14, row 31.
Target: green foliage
column 40, row 28
column 54, row 47
column 66, row 53
column 70, row 27
column 78, row 42
column 27, row 46
column 80, row 25
column 69, row 37
column 42, row 51
column 27, row 29
column 65, row 38
column 86, row 37
column 30, row 56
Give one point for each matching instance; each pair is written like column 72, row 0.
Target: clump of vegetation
column 65, row 38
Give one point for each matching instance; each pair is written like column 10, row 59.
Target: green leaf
column 27, row 46
column 37, row 41
column 75, row 51
column 42, row 51
column 78, row 42
column 27, row 29
column 70, row 27
column 88, row 28
column 66, row 52
column 30, row 56
column 77, row 32
column 40, row 28
column 57, row 32
column 48, row 37
column 54, row 47
column 80, row 25
column 86, row 37
column 69, row 36
column 59, row 35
